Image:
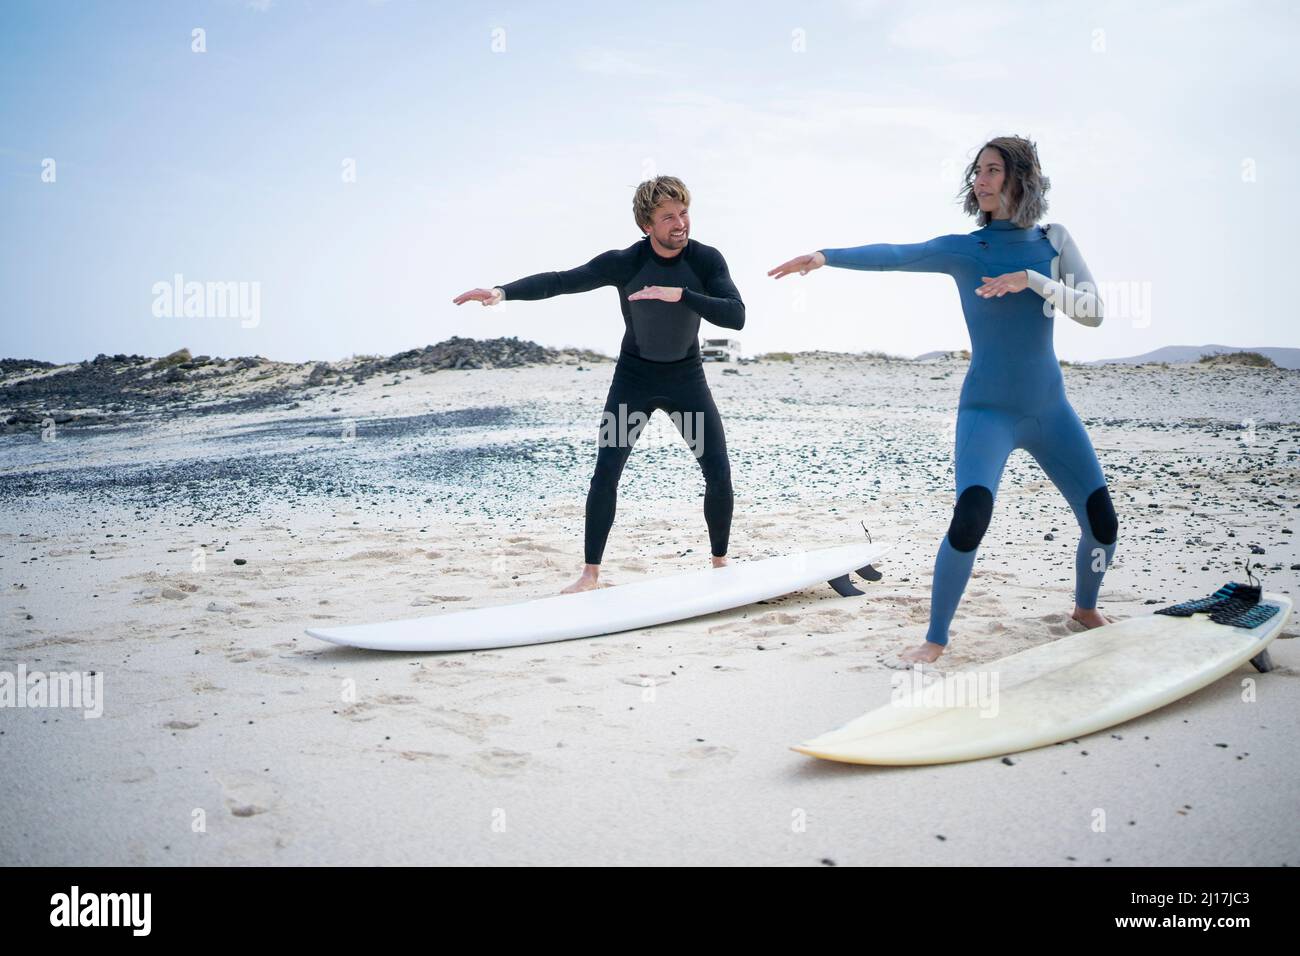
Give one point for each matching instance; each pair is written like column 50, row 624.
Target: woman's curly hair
column 1024, row 191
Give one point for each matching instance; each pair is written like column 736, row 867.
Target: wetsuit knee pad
column 970, row 518
column 1101, row 516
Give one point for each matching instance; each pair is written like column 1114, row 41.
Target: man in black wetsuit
column 667, row 282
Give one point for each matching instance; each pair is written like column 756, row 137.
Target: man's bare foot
column 719, row 562
column 926, row 653
column 590, row 579
column 1090, row 617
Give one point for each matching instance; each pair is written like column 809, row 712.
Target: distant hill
column 1176, row 354
column 943, row 354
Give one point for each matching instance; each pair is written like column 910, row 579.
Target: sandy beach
column 180, row 554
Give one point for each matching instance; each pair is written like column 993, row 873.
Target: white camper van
column 719, row 350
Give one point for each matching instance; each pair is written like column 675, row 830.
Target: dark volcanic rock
column 131, row 385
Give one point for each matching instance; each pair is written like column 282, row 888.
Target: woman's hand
column 998, row 286
column 664, row 293
column 486, row 296
column 800, row 264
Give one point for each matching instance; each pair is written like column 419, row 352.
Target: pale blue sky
column 1168, row 132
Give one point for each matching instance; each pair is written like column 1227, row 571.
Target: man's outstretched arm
column 600, row 271
column 603, row 270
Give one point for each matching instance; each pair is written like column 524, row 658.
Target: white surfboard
column 608, row 610
column 1078, row 685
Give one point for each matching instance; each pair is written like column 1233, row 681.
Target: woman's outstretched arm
column 940, row 254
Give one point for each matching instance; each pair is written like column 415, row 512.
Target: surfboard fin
column 868, row 573
column 844, row 587
column 1263, row 663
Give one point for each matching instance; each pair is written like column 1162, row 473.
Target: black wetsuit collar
column 666, row 260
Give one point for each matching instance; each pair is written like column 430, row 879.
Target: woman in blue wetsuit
column 1012, row 275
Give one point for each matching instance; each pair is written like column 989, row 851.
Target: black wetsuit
column 658, row 367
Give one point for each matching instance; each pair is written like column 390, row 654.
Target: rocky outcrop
column 107, row 388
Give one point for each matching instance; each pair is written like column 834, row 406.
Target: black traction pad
column 1234, row 604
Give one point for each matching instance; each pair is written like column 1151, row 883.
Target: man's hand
column 1000, row 285
column 664, row 293
column 800, row 264
column 486, row 296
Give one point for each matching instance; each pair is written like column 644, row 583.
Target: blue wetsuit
column 1013, row 396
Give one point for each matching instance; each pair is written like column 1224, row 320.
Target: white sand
column 215, row 700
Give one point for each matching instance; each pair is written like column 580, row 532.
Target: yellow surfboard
column 1078, row 685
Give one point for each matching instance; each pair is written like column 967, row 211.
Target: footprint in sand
column 446, row 674
column 996, row 575
column 420, row 755
column 424, row 600
column 703, row 757
column 896, row 663
column 390, row 699
column 827, row 622
column 282, row 670
column 774, row 618
column 472, row 726
column 246, row 794
column 498, row 763
column 1060, row 625
column 528, row 546
column 390, row 555
column 359, row 712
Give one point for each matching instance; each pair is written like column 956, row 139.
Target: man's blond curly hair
column 654, row 191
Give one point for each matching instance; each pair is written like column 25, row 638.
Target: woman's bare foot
column 1090, row 617
column 926, row 653
column 719, row 562
column 590, row 579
